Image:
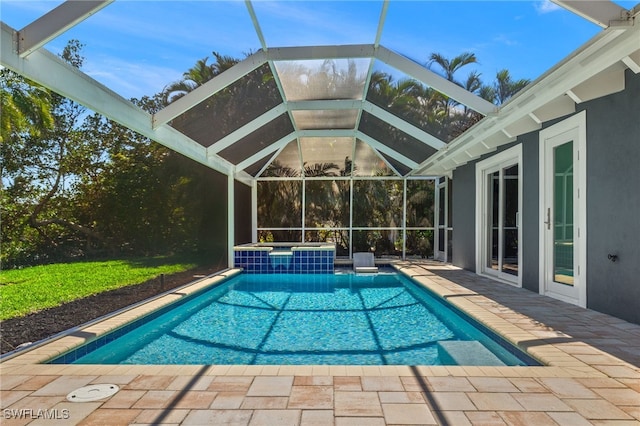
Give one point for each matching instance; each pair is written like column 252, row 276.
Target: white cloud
column 198, row 27
column 131, row 79
column 546, row 6
column 287, row 23
column 505, row 40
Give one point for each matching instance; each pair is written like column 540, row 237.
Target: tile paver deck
column 591, row 376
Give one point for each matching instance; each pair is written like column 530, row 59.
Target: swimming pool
column 287, row 319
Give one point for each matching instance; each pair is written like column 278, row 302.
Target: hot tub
column 285, row 258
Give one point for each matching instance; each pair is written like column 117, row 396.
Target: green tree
column 455, row 120
column 40, row 171
column 145, row 197
column 197, row 75
column 25, row 112
column 25, row 106
column 228, row 109
column 450, row 67
column 503, row 87
column 402, row 97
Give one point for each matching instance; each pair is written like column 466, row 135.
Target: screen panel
column 420, row 203
column 394, row 138
column 326, row 156
column 323, row 79
column 368, row 163
column 286, row 164
column 257, row 140
column 280, row 204
column 231, row 108
column 377, row 203
column 327, row 203
column 325, row 119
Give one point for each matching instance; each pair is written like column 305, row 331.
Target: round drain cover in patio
column 92, row 393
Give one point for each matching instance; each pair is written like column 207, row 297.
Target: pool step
column 471, row 352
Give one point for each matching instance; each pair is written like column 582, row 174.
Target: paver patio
column 591, row 376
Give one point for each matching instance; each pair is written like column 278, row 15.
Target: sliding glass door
column 498, row 211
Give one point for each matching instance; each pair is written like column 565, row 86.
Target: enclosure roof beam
column 375, row 110
column 383, row 18
column 47, row 69
column 299, row 53
column 247, row 129
column 603, row 13
column 609, row 47
column 256, row 24
column 433, row 80
column 282, row 142
column 327, row 133
column 55, row 22
column 274, row 155
column 378, row 146
column 337, row 104
column 405, row 126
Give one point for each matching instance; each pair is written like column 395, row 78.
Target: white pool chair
column 364, row 263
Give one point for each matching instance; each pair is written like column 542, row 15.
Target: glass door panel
column 563, row 214
column 510, row 221
column 500, row 221
column 441, row 252
column 493, row 216
column 563, row 209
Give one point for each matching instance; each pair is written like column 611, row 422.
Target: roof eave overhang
column 596, row 69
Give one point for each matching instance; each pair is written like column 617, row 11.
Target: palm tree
column 229, row 108
column 450, row 67
column 406, row 98
column 473, row 83
column 321, row 169
column 26, row 112
column 488, row 93
column 393, row 95
column 25, row 106
column 505, row 87
column 198, row 75
column 277, row 169
column 502, row 88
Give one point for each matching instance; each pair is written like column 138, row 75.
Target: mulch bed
column 42, row 324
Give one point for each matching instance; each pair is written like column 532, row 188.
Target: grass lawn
column 32, row 289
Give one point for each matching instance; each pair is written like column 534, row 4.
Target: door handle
column 548, row 221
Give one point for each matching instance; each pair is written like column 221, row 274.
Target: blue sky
column 138, row 47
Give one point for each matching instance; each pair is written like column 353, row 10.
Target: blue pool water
column 343, row 319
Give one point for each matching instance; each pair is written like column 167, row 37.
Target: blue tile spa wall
column 296, row 261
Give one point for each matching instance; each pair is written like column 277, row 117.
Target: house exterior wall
column 530, row 213
column 463, row 206
column 613, row 201
column 613, row 204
